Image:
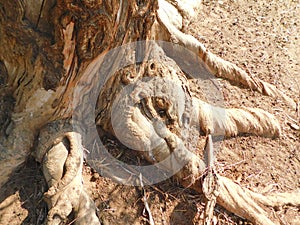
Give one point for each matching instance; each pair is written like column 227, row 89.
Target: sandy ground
column 263, row 39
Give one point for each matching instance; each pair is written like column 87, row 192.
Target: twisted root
column 234, row 121
column 216, row 65
column 62, row 168
column 233, row 197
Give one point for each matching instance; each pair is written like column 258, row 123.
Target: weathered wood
column 50, row 57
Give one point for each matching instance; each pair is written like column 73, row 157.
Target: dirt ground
column 261, row 37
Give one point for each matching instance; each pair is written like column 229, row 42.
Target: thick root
column 234, row 121
column 218, row 66
column 239, row 201
column 236, row 199
column 248, row 204
column 278, row 199
column 233, row 197
column 62, row 168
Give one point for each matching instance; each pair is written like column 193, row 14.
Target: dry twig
column 144, row 199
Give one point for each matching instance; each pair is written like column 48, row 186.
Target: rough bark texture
column 53, row 43
column 50, row 48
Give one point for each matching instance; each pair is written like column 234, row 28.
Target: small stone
column 293, row 126
column 96, row 175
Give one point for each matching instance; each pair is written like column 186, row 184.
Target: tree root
column 236, row 199
column 211, row 120
column 234, row 121
column 66, row 193
column 228, row 122
column 231, row 196
column 62, row 168
column 210, row 185
column 249, row 205
column 218, row 66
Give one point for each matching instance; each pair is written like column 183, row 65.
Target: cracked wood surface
column 65, row 57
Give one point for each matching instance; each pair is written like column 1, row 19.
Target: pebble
column 96, row 175
column 293, row 126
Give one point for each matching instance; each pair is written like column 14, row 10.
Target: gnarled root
column 217, row 121
column 234, row 121
column 62, row 168
column 248, row 204
column 233, row 197
column 216, row 65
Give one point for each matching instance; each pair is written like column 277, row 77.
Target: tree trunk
column 45, row 50
column 55, row 54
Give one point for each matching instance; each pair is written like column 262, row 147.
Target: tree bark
column 45, row 47
column 50, row 56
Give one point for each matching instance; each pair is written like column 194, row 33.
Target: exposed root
column 72, row 165
column 210, row 184
column 231, row 196
column 62, row 168
column 218, row 66
column 211, row 119
column 278, row 199
column 236, row 199
column 239, row 201
column 234, row 121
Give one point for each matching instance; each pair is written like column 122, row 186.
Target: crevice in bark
column 49, row 50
